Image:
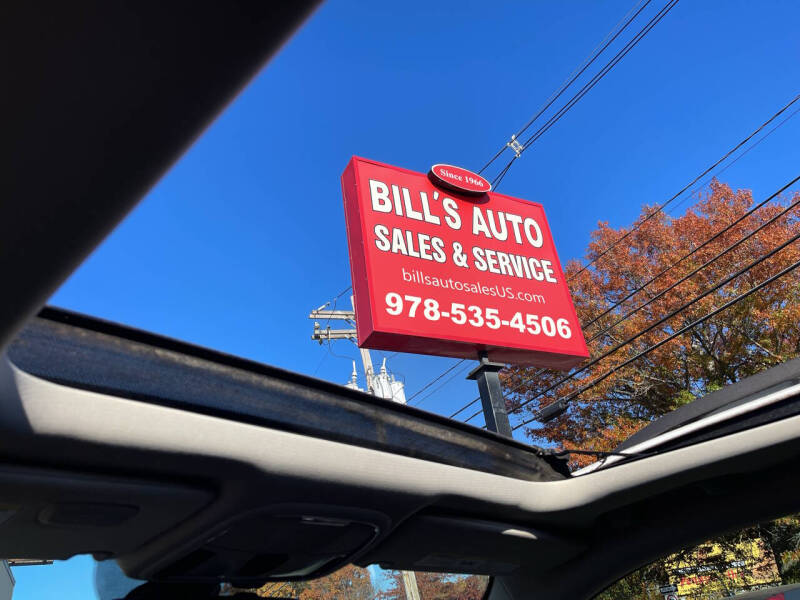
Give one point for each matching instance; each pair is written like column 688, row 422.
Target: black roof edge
column 89, row 323
column 726, row 398
column 100, row 98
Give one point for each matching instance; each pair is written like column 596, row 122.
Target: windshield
column 73, row 579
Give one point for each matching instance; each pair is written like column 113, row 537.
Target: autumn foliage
column 755, row 557
column 355, row 583
column 754, row 334
column 437, row 586
column 349, row 582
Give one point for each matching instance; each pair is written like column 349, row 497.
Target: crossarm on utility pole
column 342, row 315
column 321, row 334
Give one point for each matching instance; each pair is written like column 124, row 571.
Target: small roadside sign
column 670, row 588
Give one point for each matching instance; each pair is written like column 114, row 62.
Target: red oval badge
column 459, row 180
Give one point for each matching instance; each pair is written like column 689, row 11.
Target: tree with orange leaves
column 350, row 582
column 624, row 299
column 437, row 586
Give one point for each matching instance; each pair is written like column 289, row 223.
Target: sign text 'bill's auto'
column 440, row 268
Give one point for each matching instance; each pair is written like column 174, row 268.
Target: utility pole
column 486, row 373
column 410, row 585
column 382, row 385
column 327, row 334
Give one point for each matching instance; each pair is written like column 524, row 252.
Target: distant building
column 383, row 385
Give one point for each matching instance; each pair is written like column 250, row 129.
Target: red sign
column 439, row 273
column 459, row 180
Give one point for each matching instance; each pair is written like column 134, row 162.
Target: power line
column 589, row 85
column 594, row 55
column 435, row 379
column 652, row 214
column 472, row 416
column 327, row 323
column 336, row 299
column 577, row 97
column 600, row 74
column 496, row 181
column 441, row 385
column 693, row 251
column 465, row 407
column 708, row 241
column 734, row 161
column 708, row 262
column 269, row 586
column 686, row 187
column 665, row 318
column 662, row 320
column 560, row 405
column 676, row 311
column 610, row 37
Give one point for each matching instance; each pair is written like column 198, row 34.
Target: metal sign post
column 494, row 405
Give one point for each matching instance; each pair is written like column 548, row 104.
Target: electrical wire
column 465, row 407
column 435, row 379
column 712, row 238
column 592, row 82
column 629, row 46
column 327, row 323
column 269, row 587
column 441, row 385
column 608, row 40
column 733, row 162
column 706, row 242
column 473, row 415
column 496, row 181
column 594, row 55
column 676, row 311
column 705, row 264
column 335, row 300
column 661, row 207
column 663, row 319
column 694, row 250
column 342, row 356
column 600, row 74
column 562, row 404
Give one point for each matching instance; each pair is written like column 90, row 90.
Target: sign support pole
column 494, row 405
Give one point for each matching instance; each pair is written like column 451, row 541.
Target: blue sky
column 245, row 234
